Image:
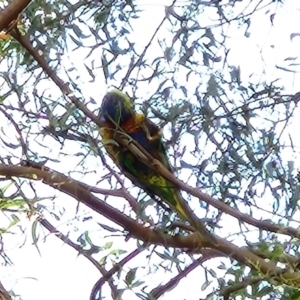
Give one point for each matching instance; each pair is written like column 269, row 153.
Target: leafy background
column 220, row 78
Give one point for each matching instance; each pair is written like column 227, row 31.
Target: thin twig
column 22, row 142
column 225, row 293
column 78, row 248
column 117, row 267
column 144, row 51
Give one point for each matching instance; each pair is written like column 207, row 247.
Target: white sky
column 60, row 274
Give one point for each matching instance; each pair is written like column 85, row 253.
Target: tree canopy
column 219, row 78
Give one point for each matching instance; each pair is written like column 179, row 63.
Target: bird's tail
column 183, row 209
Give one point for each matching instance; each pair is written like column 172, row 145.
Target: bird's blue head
column 116, row 107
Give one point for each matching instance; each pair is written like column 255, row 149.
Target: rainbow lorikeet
column 118, row 114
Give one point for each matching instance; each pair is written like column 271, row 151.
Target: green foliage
column 229, row 128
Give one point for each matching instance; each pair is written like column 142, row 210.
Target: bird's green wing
column 152, row 182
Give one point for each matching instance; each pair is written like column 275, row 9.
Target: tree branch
column 162, row 289
column 147, row 159
column 225, row 293
column 78, row 248
column 192, row 242
column 98, row 285
column 11, row 12
column 4, row 294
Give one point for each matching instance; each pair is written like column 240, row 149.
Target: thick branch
column 11, row 12
column 144, row 157
column 193, row 242
column 4, row 295
column 78, row 191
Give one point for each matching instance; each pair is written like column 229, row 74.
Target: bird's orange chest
column 131, row 125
